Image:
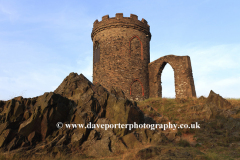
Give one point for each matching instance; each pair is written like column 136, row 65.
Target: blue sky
column 41, row 42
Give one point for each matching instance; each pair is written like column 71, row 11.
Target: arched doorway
column 136, row 90
column 166, row 81
column 183, row 78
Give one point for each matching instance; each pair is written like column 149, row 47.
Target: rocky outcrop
column 217, row 100
column 26, row 121
column 31, row 122
column 96, row 102
column 216, row 105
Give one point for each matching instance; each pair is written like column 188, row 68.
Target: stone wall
column 184, row 84
column 121, row 54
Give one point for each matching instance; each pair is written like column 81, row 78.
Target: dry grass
column 213, row 140
column 234, row 101
column 174, row 110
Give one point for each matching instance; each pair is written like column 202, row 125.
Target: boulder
column 117, row 92
column 49, row 109
column 102, row 142
column 29, row 125
column 217, row 100
column 131, row 141
column 122, row 111
column 75, row 87
column 4, row 137
column 215, row 105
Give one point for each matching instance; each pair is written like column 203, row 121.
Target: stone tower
column 121, row 54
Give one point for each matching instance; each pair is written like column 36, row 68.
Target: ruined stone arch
column 183, row 78
column 140, row 44
column 142, row 88
column 159, row 77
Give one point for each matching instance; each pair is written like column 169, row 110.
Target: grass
column 234, row 101
column 184, row 143
column 171, row 108
column 176, row 110
column 213, row 133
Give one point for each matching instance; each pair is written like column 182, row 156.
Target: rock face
column 217, row 100
column 96, row 99
column 26, row 121
column 216, row 105
column 31, row 122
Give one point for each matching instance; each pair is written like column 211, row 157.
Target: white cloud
column 8, row 11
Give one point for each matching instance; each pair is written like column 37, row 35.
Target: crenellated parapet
column 120, row 21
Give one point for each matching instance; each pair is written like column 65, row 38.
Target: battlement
column 120, row 21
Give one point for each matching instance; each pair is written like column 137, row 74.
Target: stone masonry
column 184, row 84
column 121, row 59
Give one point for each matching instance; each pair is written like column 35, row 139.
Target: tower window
column 96, row 52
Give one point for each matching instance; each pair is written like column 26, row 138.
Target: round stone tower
column 121, row 54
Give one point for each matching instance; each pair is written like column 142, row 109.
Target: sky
column 41, row 42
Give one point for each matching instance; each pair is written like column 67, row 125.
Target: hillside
column 28, row 125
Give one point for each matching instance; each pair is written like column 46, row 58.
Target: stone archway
column 136, row 90
column 159, row 78
column 184, row 84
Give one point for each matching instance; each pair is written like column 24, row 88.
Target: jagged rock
column 217, row 100
column 26, row 114
column 117, row 92
column 62, row 141
column 15, row 143
column 49, row 109
column 29, row 125
column 97, row 99
column 3, row 126
column 232, row 111
column 147, row 136
column 32, row 121
column 154, row 136
column 131, row 141
column 124, row 112
column 79, row 135
column 196, row 108
column 202, row 98
column 215, row 105
column 149, row 120
column 4, row 136
column 102, row 142
column 14, row 109
column 75, row 87
column 33, row 137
